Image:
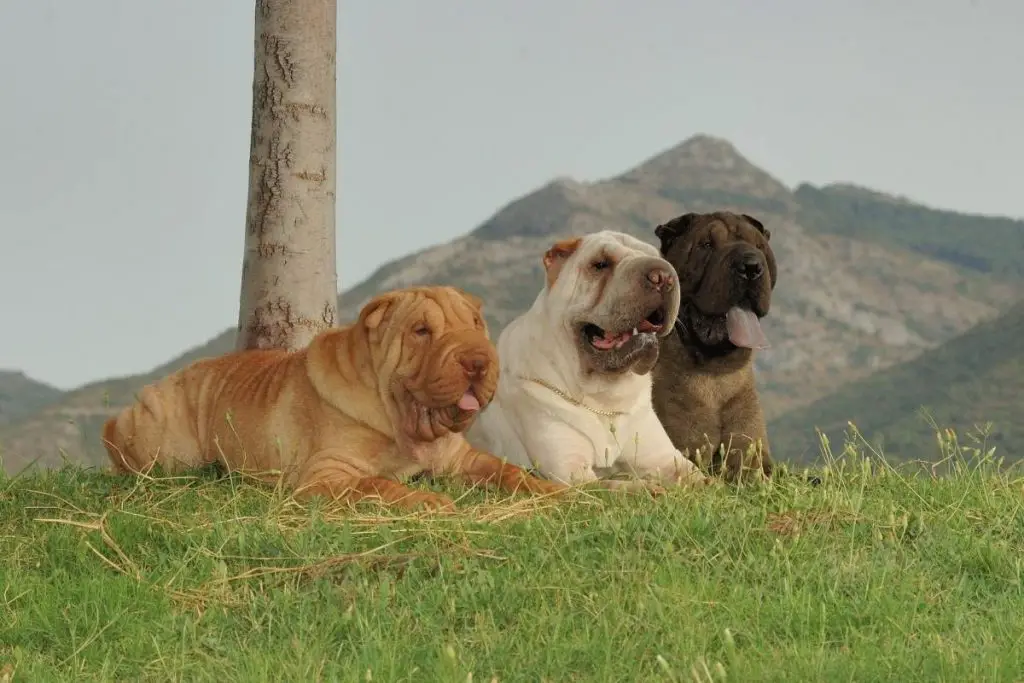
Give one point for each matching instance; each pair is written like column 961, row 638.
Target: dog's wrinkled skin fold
column 592, row 333
column 385, row 397
column 704, row 390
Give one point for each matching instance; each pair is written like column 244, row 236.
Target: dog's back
column 167, row 424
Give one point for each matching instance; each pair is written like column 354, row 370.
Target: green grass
column 875, row 574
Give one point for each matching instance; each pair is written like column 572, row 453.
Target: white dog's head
column 614, row 295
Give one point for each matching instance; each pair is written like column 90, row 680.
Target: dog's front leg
column 577, row 472
column 347, row 475
column 654, row 458
column 458, row 459
column 745, row 443
column 744, row 459
column 631, row 485
column 671, row 468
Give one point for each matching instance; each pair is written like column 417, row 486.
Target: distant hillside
column 986, row 245
column 973, row 379
column 20, row 395
column 847, row 303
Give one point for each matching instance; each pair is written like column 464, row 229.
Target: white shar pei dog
column 574, row 395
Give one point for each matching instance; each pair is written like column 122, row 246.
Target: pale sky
column 125, row 126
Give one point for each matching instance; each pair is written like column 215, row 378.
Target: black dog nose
column 750, row 267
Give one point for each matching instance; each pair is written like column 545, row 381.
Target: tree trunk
column 289, row 273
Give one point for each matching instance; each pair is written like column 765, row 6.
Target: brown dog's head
column 614, row 296
column 432, row 356
column 727, row 272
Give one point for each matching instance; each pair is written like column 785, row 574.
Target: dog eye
column 421, row 330
column 600, row 265
column 706, row 244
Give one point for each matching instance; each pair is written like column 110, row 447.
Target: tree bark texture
column 289, row 272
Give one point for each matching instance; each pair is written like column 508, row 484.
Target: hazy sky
column 126, row 130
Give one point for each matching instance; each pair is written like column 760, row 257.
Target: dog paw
column 655, row 489
column 632, row 486
column 541, row 487
column 425, row 500
column 692, row 478
column 697, row 482
column 537, row 486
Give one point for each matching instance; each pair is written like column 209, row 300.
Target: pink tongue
column 469, row 402
column 745, row 329
column 610, row 341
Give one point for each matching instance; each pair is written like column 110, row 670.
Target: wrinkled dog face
column 432, row 353
column 727, row 272
column 615, row 296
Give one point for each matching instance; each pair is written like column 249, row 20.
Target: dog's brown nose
column 474, row 364
column 661, row 278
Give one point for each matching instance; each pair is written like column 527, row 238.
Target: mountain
column 21, row 395
column 973, row 379
column 989, row 245
column 847, row 304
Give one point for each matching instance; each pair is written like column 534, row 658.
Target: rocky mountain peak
column 707, row 151
column 705, row 162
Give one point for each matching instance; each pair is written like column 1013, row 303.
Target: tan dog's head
column 726, row 273
column 615, row 296
column 432, row 356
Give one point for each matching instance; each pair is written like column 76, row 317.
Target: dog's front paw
column 655, row 489
column 427, row 500
column 633, row 486
column 692, row 478
column 538, row 486
column 687, row 473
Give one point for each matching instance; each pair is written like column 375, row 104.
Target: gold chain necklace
column 574, row 401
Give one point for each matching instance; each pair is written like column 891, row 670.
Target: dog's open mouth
column 605, row 340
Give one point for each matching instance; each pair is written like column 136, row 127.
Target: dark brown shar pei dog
column 362, row 406
column 704, row 391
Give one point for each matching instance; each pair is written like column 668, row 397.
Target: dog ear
column 759, row 225
column 474, row 301
column 372, row 314
column 672, row 230
column 557, row 255
column 478, row 305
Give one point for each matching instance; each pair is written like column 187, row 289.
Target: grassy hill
column 848, row 303
column 969, row 381
column 874, row 575
column 984, row 244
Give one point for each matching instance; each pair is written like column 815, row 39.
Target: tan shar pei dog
column 361, row 407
